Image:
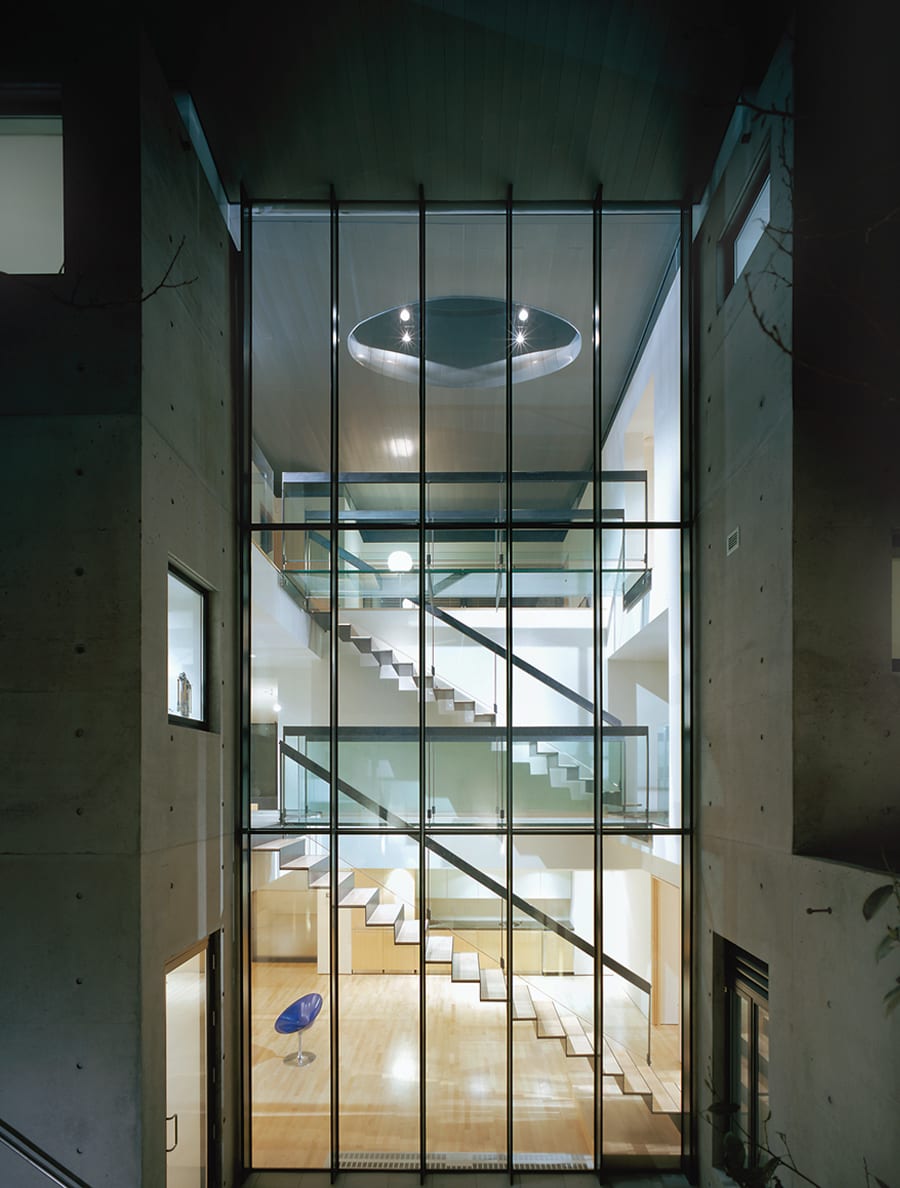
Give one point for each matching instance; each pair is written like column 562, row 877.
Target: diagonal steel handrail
column 529, row 909
column 38, row 1159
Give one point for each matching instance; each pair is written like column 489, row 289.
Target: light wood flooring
column 465, row 1074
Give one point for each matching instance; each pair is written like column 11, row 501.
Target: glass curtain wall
column 463, row 824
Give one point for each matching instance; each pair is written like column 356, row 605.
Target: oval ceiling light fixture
column 466, row 340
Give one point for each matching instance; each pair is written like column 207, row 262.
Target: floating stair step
column 662, row 1101
column 406, row 932
column 358, row 896
column 493, row 985
column 522, row 1005
column 465, row 968
column 611, row 1066
column 383, row 913
column 548, row 1023
column 572, row 1025
column 439, row 949
column 304, row 861
column 488, row 719
column 278, row 843
column 611, row 1087
column 632, row 1080
column 579, row 1045
column 322, row 882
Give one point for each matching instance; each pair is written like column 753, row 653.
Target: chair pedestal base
column 300, row 1059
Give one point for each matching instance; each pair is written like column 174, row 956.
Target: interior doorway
column 187, row 1065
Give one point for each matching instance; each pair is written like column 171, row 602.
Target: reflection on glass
column 553, row 1000
column 289, row 958
column 289, row 677
column 465, row 992
column 186, row 649
column 552, row 415
column 465, row 427
column 379, row 922
column 641, row 614
column 640, row 377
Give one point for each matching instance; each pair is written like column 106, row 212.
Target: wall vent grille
column 732, row 541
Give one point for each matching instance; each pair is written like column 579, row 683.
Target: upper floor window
column 745, row 230
column 31, row 193
column 187, row 616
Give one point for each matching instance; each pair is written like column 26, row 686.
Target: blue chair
column 299, row 1017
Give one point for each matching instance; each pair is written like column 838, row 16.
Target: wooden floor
column 465, row 1075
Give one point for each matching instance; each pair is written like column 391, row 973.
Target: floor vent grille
column 462, row 1161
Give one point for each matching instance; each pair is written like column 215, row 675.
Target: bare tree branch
column 72, row 299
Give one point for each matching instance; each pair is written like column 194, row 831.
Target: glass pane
column 743, row 1088
column 642, row 995
column 186, row 1074
column 465, row 992
column 31, row 194
column 641, row 680
column 186, row 659
column 553, row 625
column 465, row 413
column 379, row 364
column 379, row 925
column 378, row 678
column 762, row 1073
column 465, row 630
column 289, row 677
column 640, row 368
column 289, row 961
column 753, row 228
column 552, row 366
column 553, row 1001
column 291, row 361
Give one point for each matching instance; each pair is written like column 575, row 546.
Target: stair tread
column 465, row 967
column 523, row 1007
column 579, row 1045
column 572, row 1025
column 631, row 1071
column 358, row 897
column 493, row 985
column 439, row 948
column 324, row 879
column 385, row 913
column 663, row 1100
column 548, row 1022
column 277, row 843
column 611, row 1066
column 407, row 933
column 304, row 861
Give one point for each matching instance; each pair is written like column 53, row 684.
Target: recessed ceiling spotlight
column 520, row 337
column 406, row 336
column 399, row 561
column 276, row 707
column 523, row 315
column 405, row 315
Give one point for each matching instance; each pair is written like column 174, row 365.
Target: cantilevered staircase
column 624, row 1073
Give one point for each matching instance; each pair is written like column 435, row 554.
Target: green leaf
column 887, row 942
column 891, row 1000
column 877, row 898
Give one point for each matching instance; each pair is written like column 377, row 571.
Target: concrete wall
column 832, row 1076
column 70, row 650
column 115, row 454
column 188, row 516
